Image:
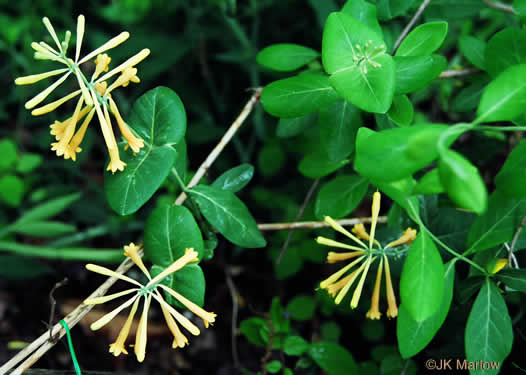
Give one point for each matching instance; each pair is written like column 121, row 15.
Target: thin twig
column 511, row 256
column 500, row 6
column 221, row 145
column 410, row 25
column 317, row 224
column 298, row 216
column 42, row 344
column 457, row 73
column 53, row 303
column 233, row 294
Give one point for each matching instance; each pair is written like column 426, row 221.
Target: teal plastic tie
column 71, row 350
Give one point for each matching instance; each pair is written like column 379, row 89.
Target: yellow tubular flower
column 44, row 94
column 359, row 230
column 132, row 252
column 408, row 237
column 61, row 146
column 142, row 335
column 54, row 105
column 392, row 308
column 135, row 143
column 358, row 291
column 112, row 43
column 374, row 312
column 207, row 317
column 118, row 346
column 109, row 138
column 337, row 227
column 73, row 147
column 132, row 61
column 127, row 75
column 333, row 257
column 374, row 216
column 102, row 62
column 28, row 80
column 51, row 31
column 346, row 288
column 329, row 242
column 180, row 340
column 189, row 257
column 109, row 316
column 335, row 276
column 80, row 35
column 57, row 129
column 333, row 289
column 104, row 299
column 187, row 324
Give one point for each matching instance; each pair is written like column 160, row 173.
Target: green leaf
column 333, row 358
column 469, row 97
column 423, row 40
column 462, row 181
column 473, row 50
column 290, row 127
column 235, row 178
column 513, row 278
column 489, row 334
column 228, row 215
column 498, row 224
column 520, row 8
column 129, row 190
column 463, row 9
column 506, row 48
column 9, row 153
column 274, row 366
column 512, row 176
column 364, row 12
column 429, row 183
column 295, row 345
column 14, row 267
column 251, row 328
column 401, row 111
column 48, row 209
column 317, row 165
column 422, row 279
column 168, row 232
column 189, row 281
column 389, row 9
column 271, row 158
column 11, row 190
column 394, row 154
column 361, row 71
column 285, row 57
column 401, row 192
column 159, row 118
column 43, row 228
column 28, row 162
column 301, row 308
column 338, row 124
column 416, row 72
column 298, row 96
column 340, row 196
column 414, row 336
column 505, row 97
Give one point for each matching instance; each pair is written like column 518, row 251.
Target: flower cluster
column 147, row 292
column 94, row 95
column 338, row 285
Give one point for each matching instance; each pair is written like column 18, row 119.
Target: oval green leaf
column 189, row 281
column 422, row 279
column 416, row 72
column 285, row 57
column 229, row 215
column 423, row 40
column 401, row 111
column 333, row 358
column 168, row 232
column 506, row 48
column 235, row 178
column 340, row 196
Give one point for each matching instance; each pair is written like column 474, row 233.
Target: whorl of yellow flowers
column 94, row 95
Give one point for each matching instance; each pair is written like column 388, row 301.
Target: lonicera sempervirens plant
column 147, row 292
column 338, row 285
column 94, row 95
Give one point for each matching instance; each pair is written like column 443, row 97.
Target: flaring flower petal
column 118, row 346
column 207, row 317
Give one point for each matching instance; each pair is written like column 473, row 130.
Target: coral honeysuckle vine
column 358, row 115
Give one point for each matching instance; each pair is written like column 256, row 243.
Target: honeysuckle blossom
column 339, row 283
column 94, row 95
column 146, row 292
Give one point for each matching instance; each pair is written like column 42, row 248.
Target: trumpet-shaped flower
column 146, row 292
column 339, row 283
column 94, row 93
